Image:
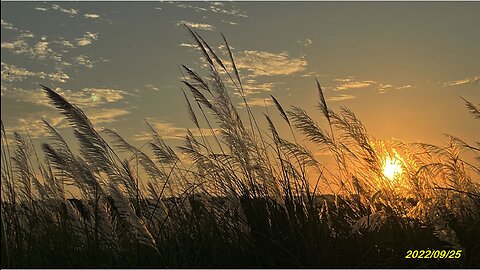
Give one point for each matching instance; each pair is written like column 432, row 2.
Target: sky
column 400, row 66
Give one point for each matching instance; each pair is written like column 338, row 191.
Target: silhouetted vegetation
column 234, row 194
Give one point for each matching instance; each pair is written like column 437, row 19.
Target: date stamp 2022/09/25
column 433, row 254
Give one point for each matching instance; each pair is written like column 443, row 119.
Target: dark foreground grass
column 236, row 195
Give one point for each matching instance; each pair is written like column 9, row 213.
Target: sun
column 392, row 168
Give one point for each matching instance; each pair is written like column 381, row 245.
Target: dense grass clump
column 234, row 194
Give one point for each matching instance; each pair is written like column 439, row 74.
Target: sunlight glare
column 392, row 168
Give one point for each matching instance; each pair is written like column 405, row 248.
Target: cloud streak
column 33, row 124
column 70, row 11
column 202, row 26
column 474, row 79
column 222, row 8
column 350, row 83
column 306, row 42
column 188, row 45
column 346, row 84
column 40, row 50
column 340, row 98
column 12, row 73
column 8, row 26
column 83, row 61
column 85, row 98
column 91, row 16
column 91, row 100
column 257, row 102
column 171, row 131
column 262, row 63
column 87, row 39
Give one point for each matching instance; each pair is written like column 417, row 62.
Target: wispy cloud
column 224, row 8
column 64, row 43
column 202, row 26
column 152, row 87
column 85, row 98
column 257, row 102
column 105, row 115
column 87, row 39
column 92, row 100
column 23, row 95
column 188, row 45
column 195, row 8
column 346, row 79
column 309, row 74
column 58, row 50
column 351, row 83
column 83, row 61
column 40, row 50
column 474, row 79
column 41, row 8
column 345, row 85
column 254, row 64
column 171, row 131
column 33, row 124
column 306, row 42
column 91, row 16
column 70, row 11
column 340, row 97
column 13, row 73
column 59, row 76
column 8, row 26
column 403, row 87
column 230, row 22
column 252, row 86
column 262, row 63
column 164, row 129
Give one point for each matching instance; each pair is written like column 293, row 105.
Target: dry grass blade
column 199, row 96
column 191, row 113
column 193, row 75
column 213, row 53
column 322, row 103
column 272, row 128
column 280, row 109
column 233, row 62
column 201, row 46
column 472, row 108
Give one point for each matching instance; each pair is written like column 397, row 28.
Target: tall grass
column 236, row 193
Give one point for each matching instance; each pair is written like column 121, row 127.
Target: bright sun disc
column 392, row 168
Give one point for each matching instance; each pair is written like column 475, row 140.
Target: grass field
column 237, row 193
